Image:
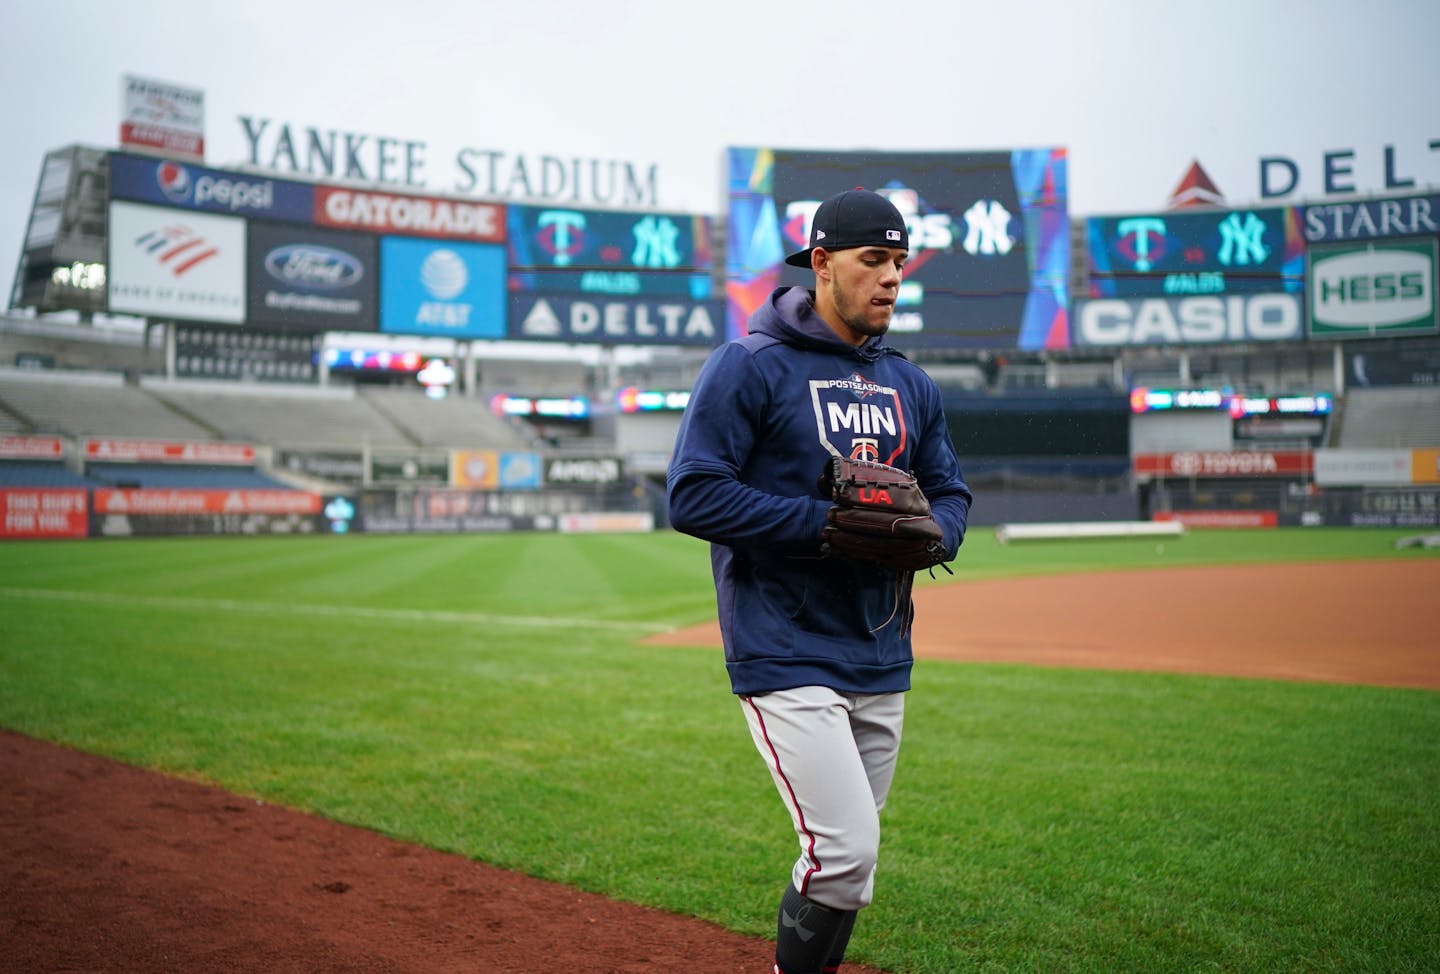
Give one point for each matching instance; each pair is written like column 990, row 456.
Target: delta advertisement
column 989, row 262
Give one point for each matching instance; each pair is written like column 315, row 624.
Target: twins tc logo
column 1142, row 241
column 561, row 235
column 177, row 248
column 858, row 418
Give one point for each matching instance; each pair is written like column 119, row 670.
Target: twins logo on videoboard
column 989, row 242
column 859, row 419
column 967, row 271
column 311, row 278
column 1179, row 254
column 188, row 266
column 451, row 288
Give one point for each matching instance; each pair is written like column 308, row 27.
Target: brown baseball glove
column 880, row 516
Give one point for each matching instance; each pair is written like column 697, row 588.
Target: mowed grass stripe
column 338, row 611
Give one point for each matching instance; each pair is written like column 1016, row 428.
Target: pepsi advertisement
column 449, row 288
column 989, row 239
column 310, row 278
column 170, row 183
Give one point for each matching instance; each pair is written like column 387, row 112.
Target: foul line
column 345, row 612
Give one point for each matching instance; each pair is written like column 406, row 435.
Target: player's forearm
column 725, row 511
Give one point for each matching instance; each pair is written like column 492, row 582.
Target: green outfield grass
column 489, row 695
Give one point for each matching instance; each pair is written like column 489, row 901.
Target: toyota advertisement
column 311, row 279
column 989, row 234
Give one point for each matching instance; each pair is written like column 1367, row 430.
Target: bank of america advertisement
column 174, row 264
column 989, row 233
column 446, row 288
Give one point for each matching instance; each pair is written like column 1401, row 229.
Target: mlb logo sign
column 892, row 235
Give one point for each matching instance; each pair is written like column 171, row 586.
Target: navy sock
column 805, row 933
column 842, row 941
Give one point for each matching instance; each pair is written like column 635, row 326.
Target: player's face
column 861, row 290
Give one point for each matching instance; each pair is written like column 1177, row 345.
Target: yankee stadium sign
column 334, row 154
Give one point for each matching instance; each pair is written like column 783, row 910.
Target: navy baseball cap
column 854, row 218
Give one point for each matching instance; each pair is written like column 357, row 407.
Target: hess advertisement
column 989, row 238
column 1372, row 290
column 312, row 279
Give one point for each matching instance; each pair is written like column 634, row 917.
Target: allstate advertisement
column 989, row 261
column 167, row 182
column 447, row 288
column 312, row 279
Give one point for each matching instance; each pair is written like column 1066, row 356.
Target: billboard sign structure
column 1377, row 289
column 1403, row 216
column 167, row 264
column 159, row 116
column 989, row 238
column 311, row 279
column 1197, row 320
column 446, row 288
column 558, row 238
column 419, row 216
column 1177, row 254
column 169, row 182
column 615, row 321
column 608, row 277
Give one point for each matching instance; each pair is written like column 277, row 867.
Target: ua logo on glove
column 875, row 495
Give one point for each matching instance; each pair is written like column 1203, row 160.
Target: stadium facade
column 275, row 352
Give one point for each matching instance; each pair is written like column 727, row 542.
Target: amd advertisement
column 1181, row 254
column 989, row 239
column 305, row 278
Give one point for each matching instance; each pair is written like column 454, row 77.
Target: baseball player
column 794, row 459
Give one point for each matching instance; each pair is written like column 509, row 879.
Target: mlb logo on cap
column 854, row 218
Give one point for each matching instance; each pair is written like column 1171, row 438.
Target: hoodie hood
column 789, row 316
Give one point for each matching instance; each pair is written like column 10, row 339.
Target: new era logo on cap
column 854, row 218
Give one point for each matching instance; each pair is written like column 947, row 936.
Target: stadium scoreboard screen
column 989, row 238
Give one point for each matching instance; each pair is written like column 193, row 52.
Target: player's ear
column 820, row 259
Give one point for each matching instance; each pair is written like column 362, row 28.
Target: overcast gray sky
column 1134, row 90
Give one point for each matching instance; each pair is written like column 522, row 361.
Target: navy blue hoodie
column 765, row 415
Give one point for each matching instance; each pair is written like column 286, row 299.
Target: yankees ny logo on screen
column 859, row 419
